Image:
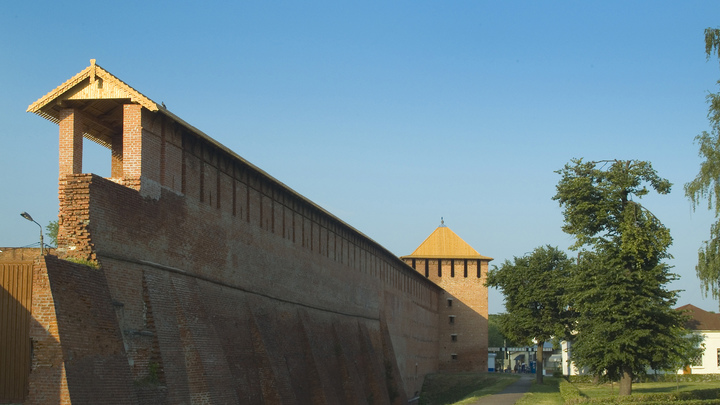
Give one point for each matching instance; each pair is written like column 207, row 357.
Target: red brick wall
column 71, row 141
column 175, row 265
column 464, row 300
column 183, row 217
column 78, row 354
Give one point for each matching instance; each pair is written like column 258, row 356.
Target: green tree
column 534, row 289
column 626, row 322
column 706, row 185
column 52, row 232
column 496, row 338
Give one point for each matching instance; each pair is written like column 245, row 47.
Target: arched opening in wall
column 96, row 158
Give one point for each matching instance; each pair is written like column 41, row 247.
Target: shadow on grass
column 659, row 389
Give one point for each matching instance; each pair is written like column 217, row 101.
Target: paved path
column 510, row 394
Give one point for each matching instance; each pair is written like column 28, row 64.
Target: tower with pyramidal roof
column 460, row 271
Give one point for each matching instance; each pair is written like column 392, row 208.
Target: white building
column 701, row 322
column 706, row 324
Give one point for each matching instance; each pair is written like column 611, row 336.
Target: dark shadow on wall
column 87, row 364
column 215, row 343
column 46, row 374
column 14, row 336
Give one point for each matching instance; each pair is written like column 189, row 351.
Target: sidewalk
column 510, row 394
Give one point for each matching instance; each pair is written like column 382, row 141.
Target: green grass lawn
column 606, row 390
column 462, row 388
column 547, row 393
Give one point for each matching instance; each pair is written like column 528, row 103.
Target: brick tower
column 460, row 271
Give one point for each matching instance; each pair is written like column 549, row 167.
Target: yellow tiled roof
column 443, row 243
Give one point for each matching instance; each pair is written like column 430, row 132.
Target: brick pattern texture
column 213, row 309
column 217, row 284
column 78, row 354
column 463, row 311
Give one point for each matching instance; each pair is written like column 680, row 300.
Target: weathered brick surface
column 172, row 267
column 71, row 141
column 78, row 353
column 224, row 286
column 463, row 309
column 237, row 314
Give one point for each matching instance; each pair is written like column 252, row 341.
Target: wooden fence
column 15, row 305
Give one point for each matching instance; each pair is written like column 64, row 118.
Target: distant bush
column 681, row 377
column 587, row 379
column 572, row 396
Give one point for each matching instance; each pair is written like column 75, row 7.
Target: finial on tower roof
column 442, row 222
column 92, row 71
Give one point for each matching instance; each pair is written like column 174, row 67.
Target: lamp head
column 26, row 216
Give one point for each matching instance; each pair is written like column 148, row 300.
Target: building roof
column 700, row 319
column 94, row 91
column 443, row 243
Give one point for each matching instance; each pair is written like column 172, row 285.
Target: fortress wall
column 78, row 353
column 170, row 259
column 207, row 343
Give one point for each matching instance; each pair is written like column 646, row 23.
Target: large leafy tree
column 626, row 321
column 534, row 289
column 706, row 185
column 496, row 338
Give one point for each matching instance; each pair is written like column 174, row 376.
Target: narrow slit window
column 453, row 337
column 450, row 302
column 452, row 319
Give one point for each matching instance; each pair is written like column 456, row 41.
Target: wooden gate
column 15, row 315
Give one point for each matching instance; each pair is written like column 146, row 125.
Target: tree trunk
column 626, row 382
column 539, row 363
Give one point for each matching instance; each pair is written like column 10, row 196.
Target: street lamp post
column 42, row 243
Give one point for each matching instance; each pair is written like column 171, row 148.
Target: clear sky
column 390, row 115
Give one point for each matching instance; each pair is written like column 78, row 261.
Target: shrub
column 84, row 262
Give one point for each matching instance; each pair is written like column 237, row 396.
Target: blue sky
column 390, row 115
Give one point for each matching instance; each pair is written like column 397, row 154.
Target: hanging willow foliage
column 706, row 185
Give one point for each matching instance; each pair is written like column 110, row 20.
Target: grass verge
column 648, row 393
column 462, row 388
column 547, row 393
